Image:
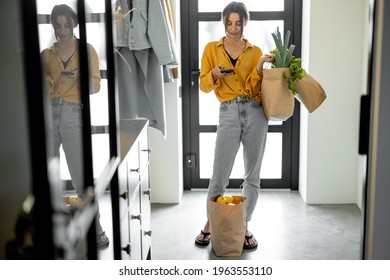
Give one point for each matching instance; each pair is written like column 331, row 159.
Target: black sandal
column 203, row 242
column 250, row 246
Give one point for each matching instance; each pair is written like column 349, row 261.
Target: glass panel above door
column 252, row 5
column 257, row 32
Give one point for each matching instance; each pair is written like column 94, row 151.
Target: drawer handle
column 125, row 195
column 138, row 217
column 127, row 249
column 149, row 150
column 134, row 170
column 148, row 192
column 149, row 232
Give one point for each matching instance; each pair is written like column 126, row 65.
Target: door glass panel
column 99, row 105
column 252, row 5
column 257, row 32
column 96, row 36
column 271, row 165
column 45, row 6
column 93, row 6
column 208, row 108
column 100, row 153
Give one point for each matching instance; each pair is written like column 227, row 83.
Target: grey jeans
column 67, row 130
column 241, row 120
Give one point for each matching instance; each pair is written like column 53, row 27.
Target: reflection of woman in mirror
column 61, row 72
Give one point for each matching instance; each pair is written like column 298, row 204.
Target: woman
column 61, row 72
column 241, row 117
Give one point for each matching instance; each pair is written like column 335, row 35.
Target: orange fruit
column 221, row 199
column 229, row 199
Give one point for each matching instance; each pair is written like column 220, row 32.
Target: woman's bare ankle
column 206, row 227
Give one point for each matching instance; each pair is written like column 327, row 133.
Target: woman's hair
column 63, row 10
column 240, row 9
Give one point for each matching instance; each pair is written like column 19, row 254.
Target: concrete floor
column 285, row 227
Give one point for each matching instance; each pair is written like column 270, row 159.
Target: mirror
column 59, row 36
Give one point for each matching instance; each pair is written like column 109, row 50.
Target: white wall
column 334, row 38
column 362, row 164
column 166, row 163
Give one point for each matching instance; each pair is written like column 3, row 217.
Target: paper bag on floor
column 310, row 93
column 278, row 100
column 227, row 226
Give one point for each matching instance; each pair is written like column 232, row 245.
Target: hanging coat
column 144, row 43
column 147, row 26
column 140, row 87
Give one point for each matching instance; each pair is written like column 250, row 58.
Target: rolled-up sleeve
column 94, row 70
column 206, row 78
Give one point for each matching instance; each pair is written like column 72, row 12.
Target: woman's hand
column 217, row 74
column 264, row 58
column 118, row 14
column 268, row 58
column 76, row 74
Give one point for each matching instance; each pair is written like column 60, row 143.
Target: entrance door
column 201, row 23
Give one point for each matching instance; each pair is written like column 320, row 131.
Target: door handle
column 364, row 125
column 138, row 217
column 148, row 192
column 127, row 248
column 125, row 195
column 194, row 74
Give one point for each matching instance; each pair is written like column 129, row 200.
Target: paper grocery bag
column 310, row 93
column 228, row 226
column 277, row 98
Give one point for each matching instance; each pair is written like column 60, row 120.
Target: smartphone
column 227, row 71
column 66, row 73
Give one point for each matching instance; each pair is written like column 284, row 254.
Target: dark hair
column 240, row 9
column 63, row 10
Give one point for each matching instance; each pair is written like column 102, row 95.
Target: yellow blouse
column 245, row 82
column 61, row 86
